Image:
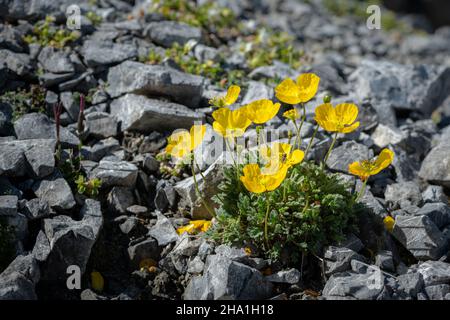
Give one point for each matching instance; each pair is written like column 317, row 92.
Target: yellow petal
column 197, row 133
column 346, row 113
column 265, row 152
column 221, row 115
column 350, row 128
column 231, row 123
column 389, row 223
column 295, row 157
column 287, row 92
column 97, row 281
column 179, row 144
column 206, row 226
column 219, row 129
column 357, row 169
column 239, row 122
column 274, row 181
column 326, row 117
column 383, row 161
column 282, row 148
column 308, row 84
column 261, row 111
column 232, row 95
column 252, row 178
column 188, row 228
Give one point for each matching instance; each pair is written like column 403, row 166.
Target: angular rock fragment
column 115, row 173
column 99, row 53
column 55, row 191
column 39, row 126
column 138, row 113
column 226, row 279
column 155, row 80
column 420, row 236
column 166, row 33
column 65, row 242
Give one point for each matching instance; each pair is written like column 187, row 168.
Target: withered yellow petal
column 389, row 223
column 205, row 227
column 97, row 281
column 188, row 228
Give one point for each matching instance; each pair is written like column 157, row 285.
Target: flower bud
column 327, row 98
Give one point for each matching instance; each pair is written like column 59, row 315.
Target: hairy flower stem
column 362, row 191
column 211, row 212
column 266, row 218
column 258, row 141
column 228, row 147
column 298, row 139
column 311, row 141
column 329, row 150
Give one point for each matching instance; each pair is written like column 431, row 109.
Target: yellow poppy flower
column 228, row 99
column 182, row 142
column 304, row 90
column 280, row 154
column 261, row 111
column 97, row 281
column 195, row 226
column 366, row 168
column 257, row 182
column 389, row 223
column 231, row 123
column 292, row 114
column 340, row 119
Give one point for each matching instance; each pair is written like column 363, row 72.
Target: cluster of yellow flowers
column 278, row 157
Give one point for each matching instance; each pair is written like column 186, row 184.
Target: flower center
column 368, row 164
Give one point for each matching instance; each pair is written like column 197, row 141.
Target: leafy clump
column 94, row 18
column 310, row 209
column 89, row 187
column 208, row 15
column 266, row 46
column 184, row 58
column 46, row 33
column 6, row 245
column 25, row 101
column 180, row 55
column 168, row 168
